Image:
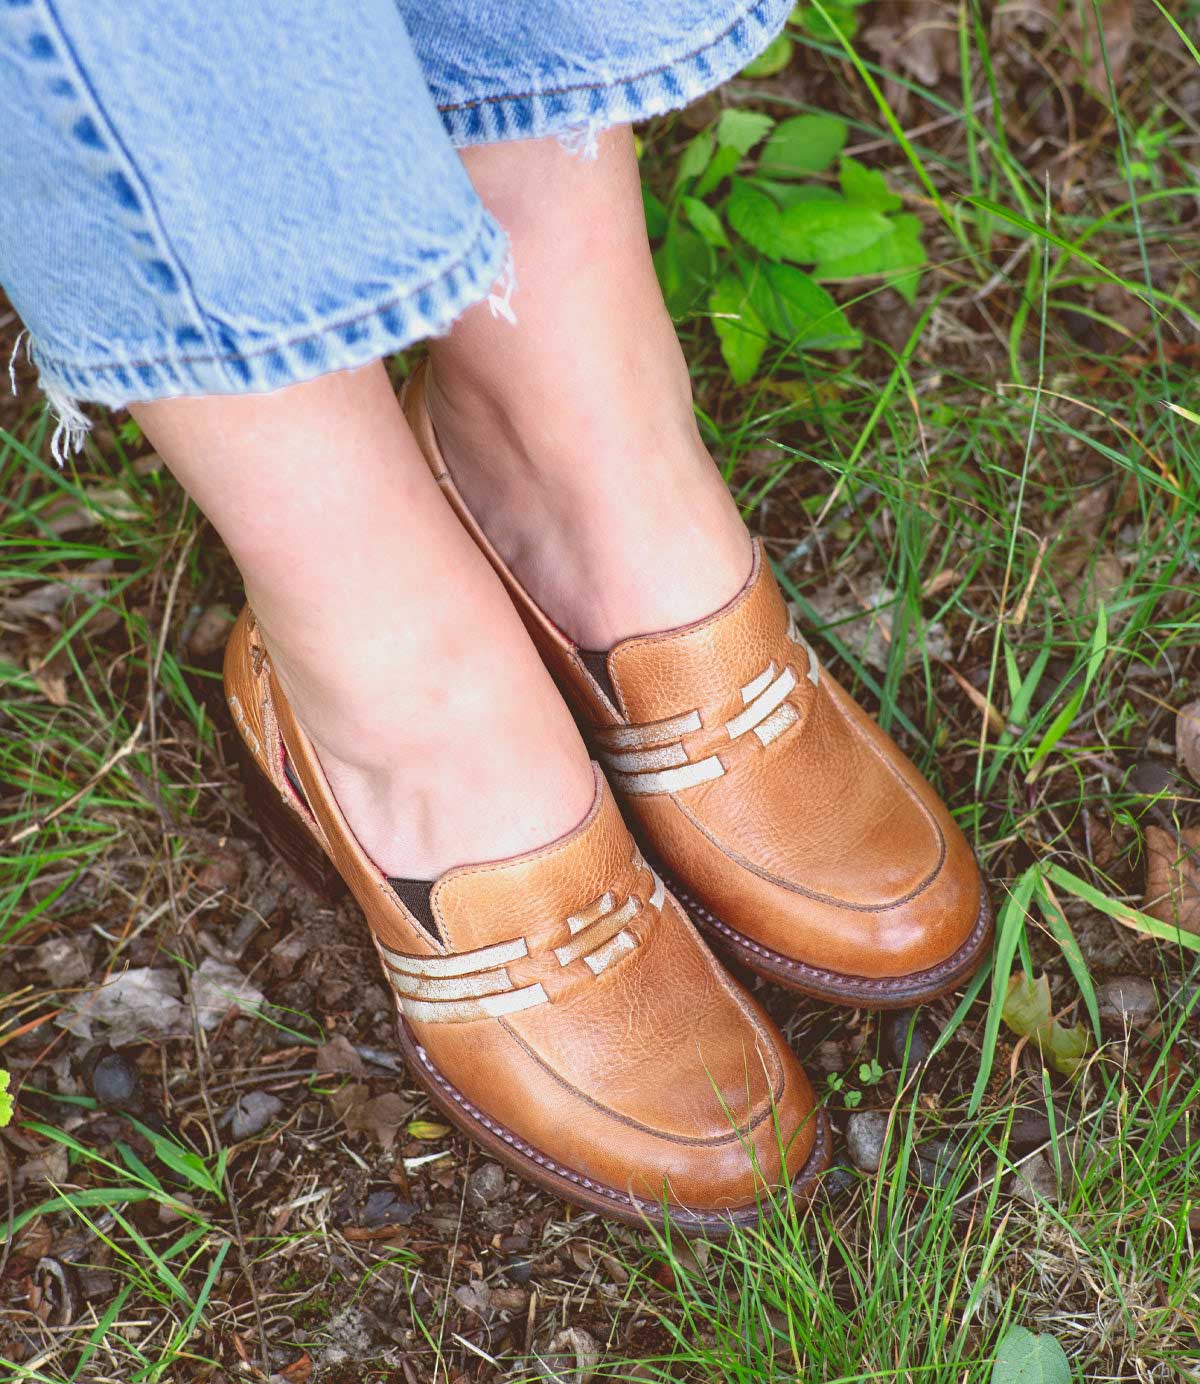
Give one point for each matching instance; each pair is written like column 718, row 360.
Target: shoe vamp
column 826, row 809
column 660, row 1040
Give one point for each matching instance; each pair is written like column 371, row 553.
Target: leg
column 441, row 734
column 572, row 434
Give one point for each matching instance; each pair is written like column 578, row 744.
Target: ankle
column 616, row 520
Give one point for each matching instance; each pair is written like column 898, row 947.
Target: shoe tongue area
column 416, row 896
column 532, row 895
column 698, row 665
column 596, row 662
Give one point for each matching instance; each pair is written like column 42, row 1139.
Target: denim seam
column 322, row 330
column 152, row 216
column 615, row 81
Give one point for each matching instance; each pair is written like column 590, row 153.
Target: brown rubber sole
column 286, row 834
column 864, row 992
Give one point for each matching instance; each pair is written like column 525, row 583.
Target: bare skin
column 443, row 737
column 571, row 435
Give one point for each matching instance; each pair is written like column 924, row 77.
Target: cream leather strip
column 814, row 667
column 660, row 893
column 775, row 724
column 758, row 684
column 600, row 932
column 450, row 987
column 671, row 780
column 652, row 733
column 464, row 1011
column 461, row 964
column 604, row 904
column 762, row 706
column 638, row 761
column 603, row 957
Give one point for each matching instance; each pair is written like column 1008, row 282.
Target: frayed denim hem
column 260, row 362
column 576, row 113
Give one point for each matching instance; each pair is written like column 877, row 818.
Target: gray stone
column 935, row 1162
column 896, row 1040
column 252, row 1113
column 865, row 1131
column 484, row 1185
column 1034, row 1180
column 1127, row 1000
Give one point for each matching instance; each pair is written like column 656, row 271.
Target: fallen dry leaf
column 51, row 683
column 338, row 1055
column 1073, row 28
column 1173, row 877
column 1187, row 738
column 378, row 1117
column 918, row 36
column 139, row 1003
column 217, row 987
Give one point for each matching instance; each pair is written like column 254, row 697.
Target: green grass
column 1000, row 459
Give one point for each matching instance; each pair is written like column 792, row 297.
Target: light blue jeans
column 235, row 196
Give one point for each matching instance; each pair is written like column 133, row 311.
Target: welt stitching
column 325, row 328
column 683, row 1213
column 154, row 217
column 621, row 81
column 835, row 980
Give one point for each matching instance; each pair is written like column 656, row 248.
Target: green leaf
column 803, row 144
column 684, row 265
column 866, row 185
column 813, row 231
column 705, row 220
column 826, row 26
column 787, row 194
column 723, row 163
column 798, row 310
column 1023, row 1358
column 427, row 1129
column 755, row 217
column 899, row 255
column 1027, row 1011
column 1010, row 928
column 740, row 330
column 656, row 214
column 695, row 157
column 773, row 58
column 742, row 129
column 6, row 1101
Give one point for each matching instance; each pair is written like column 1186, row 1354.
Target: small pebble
column 895, row 1040
column 386, row 1208
column 935, row 1162
column 1035, row 1180
column 1127, row 1000
column 253, row 1112
column 838, row 1180
column 484, row 1185
column 865, row 1131
column 113, row 1080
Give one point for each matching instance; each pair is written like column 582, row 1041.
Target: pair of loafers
column 560, row 1006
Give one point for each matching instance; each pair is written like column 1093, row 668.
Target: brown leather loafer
column 788, row 824
column 558, row 1006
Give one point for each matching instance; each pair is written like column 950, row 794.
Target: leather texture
column 567, row 1011
column 787, row 821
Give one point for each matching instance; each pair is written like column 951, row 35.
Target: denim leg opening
column 653, row 73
